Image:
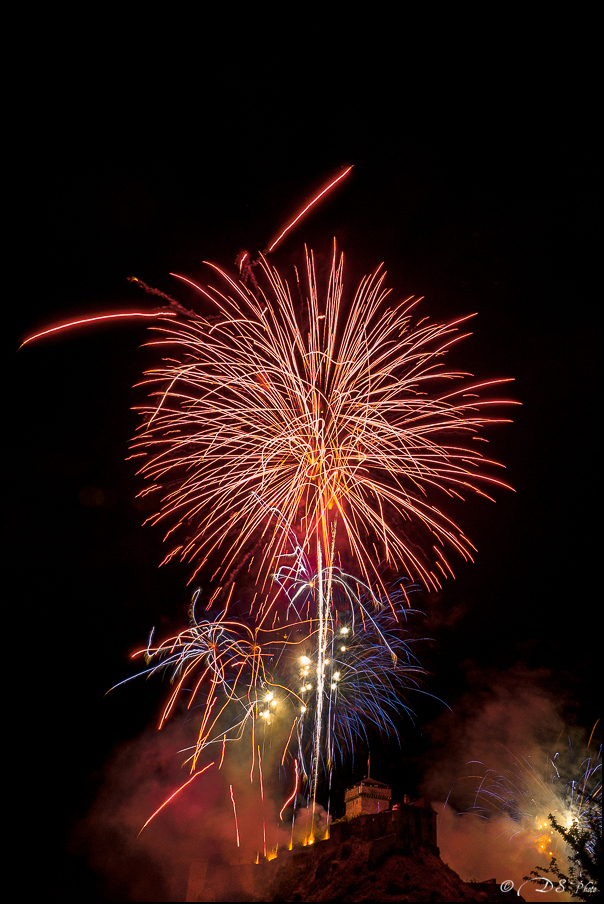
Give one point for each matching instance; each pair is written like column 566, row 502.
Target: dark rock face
column 374, row 870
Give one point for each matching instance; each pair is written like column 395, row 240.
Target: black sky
column 477, row 208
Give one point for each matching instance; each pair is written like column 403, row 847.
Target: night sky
column 487, row 209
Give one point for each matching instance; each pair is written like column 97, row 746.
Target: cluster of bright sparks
column 300, row 441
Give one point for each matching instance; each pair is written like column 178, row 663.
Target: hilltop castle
column 369, row 819
column 374, row 853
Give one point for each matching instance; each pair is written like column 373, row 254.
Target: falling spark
column 307, row 208
column 235, row 812
column 82, row 321
column 178, row 790
column 294, row 792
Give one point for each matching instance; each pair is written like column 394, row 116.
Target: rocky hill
column 371, row 871
column 365, row 859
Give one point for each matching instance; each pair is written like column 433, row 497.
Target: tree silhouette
column 584, row 838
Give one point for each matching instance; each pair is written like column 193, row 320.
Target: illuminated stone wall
column 368, row 796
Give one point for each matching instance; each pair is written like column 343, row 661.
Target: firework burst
column 565, row 785
column 330, row 413
column 312, row 692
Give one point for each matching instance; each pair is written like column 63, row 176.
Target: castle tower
column 367, row 797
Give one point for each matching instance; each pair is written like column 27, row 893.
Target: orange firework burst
column 327, row 412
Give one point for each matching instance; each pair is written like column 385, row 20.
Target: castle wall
column 368, row 805
column 411, row 825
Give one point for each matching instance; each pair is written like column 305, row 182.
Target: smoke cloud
column 511, row 724
column 199, row 823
